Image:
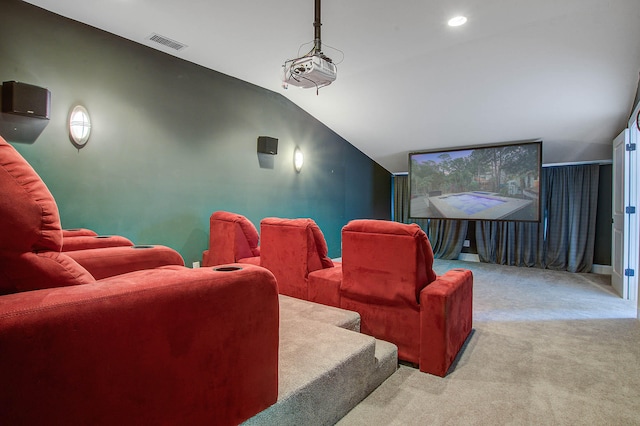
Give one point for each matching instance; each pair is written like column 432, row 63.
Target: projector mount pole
column 317, row 43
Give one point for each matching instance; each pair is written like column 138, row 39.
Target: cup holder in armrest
column 227, row 268
column 142, row 246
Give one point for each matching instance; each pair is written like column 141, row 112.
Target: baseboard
column 469, row 257
column 601, row 269
column 595, row 269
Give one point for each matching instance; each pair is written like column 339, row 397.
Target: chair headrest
column 386, row 227
column 312, row 228
column 383, row 227
column 30, row 217
column 246, row 227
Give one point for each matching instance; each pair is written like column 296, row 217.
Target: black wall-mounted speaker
column 267, row 145
column 25, row 99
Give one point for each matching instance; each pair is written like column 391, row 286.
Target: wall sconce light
column 298, row 159
column 79, row 126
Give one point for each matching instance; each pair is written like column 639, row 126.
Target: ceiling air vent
column 167, row 42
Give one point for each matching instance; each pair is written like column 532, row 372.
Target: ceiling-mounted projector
column 309, row 71
column 314, row 69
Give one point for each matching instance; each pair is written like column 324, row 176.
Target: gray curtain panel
column 563, row 240
column 401, row 198
column 565, row 237
column 571, row 217
column 446, row 236
column 509, row 243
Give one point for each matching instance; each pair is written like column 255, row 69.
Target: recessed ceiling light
column 457, row 21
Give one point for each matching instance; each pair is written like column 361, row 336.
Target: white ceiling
column 565, row 71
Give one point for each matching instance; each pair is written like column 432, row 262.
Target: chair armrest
column 205, row 258
column 324, row 285
column 109, row 261
column 84, row 242
column 446, row 315
column 76, row 232
column 255, row 260
column 164, row 346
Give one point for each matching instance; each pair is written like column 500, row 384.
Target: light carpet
column 548, row 348
column 326, row 367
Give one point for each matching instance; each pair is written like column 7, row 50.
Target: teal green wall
column 172, row 142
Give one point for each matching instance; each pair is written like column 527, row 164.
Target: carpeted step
column 324, row 370
column 387, row 364
column 292, row 307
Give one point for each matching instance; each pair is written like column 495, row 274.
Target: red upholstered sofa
column 387, row 277
column 168, row 345
column 232, row 238
column 293, row 249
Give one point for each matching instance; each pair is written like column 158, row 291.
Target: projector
column 309, row 71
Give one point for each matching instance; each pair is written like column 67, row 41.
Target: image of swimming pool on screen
column 478, row 205
column 498, row 182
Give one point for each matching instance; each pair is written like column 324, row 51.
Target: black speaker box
column 267, row 145
column 25, row 99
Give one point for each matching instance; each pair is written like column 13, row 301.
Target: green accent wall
column 172, row 142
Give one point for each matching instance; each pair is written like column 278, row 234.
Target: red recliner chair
column 292, row 249
column 387, row 277
column 20, row 180
column 232, row 238
column 169, row 345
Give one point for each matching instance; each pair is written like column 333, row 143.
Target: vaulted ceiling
column 564, row 71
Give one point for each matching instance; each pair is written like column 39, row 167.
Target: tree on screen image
column 506, row 170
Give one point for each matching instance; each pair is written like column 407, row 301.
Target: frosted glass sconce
column 298, row 159
column 79, row 126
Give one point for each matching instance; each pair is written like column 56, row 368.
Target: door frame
column 619, row 244
column 632, row 219
column 634, row 255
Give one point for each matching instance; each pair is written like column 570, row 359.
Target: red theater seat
column 232, row 238
column 293, row 249
column 387, row 277
column 169, row 345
